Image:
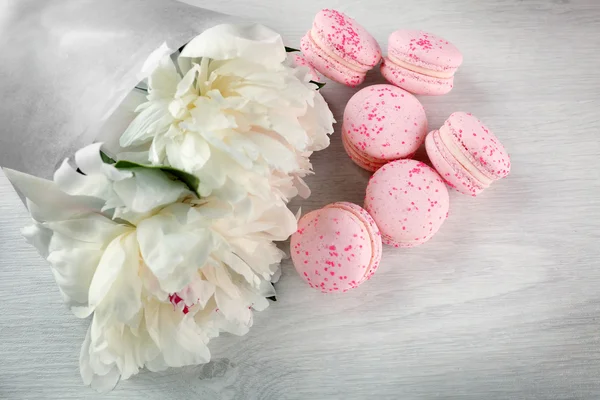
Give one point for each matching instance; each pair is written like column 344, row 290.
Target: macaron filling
column 350, row 64
column 391, row 242
column 365, row 161
column 446, row 137
column 355, row 215
column 465, row 179
column 421, row 70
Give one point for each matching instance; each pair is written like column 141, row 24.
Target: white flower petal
column 178, row 337
column 172, row 253
column 148, row 189
column 93, row 228
column 123, row 300
column 39, row 237
column 198, row 292
column 163, row 80
column 234, row 309
column 275, row 153
column 287, row 126
column 153, row 119
column 188, row 152
column 215, row 273
column 238, row 265
column 254, row 43
column 107, row 271
column 101, row 383
column 73, row 270
column 209, row 209
column 186, row 85
column 303, row 189
column 51, row 202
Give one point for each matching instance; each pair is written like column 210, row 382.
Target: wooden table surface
column 504, row 303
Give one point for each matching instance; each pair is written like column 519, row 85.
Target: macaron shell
column 358, row 158
column 409, row 202
column 346, row 38
column 328, row 66
column 372, row 232
column 415, row 82
column 453, row 173
column 479, row 144
column 424, row 50
column 333, row 250
column 384, row 123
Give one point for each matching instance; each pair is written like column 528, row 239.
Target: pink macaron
column 420, row 62
column 340, row 48
column 382, row 123
column 409, row 202
column 298, row 60
column 467, row 154
column 337, row 247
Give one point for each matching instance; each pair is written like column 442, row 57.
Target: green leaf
column 190, row 180
column 106, row 159
column 319, row 84
column 290, row 49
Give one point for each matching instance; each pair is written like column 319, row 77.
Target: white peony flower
column 161, row 271
column 234, row 112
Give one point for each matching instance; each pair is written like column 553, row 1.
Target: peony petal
column 238, row 265
column 51, row 203
column 303, row 189
column 76, row 184
column 102, row 383
column 181, row 342
column 93, row 228
column 123, row 301
column 109, row 267
column 90, row 162
column 254, row 43
column 148, row 189
column 289, row 128
column 162, row 82
column 39, row 237
column 186, row 85
column 150, row 122
column 73, row 270
column 209, row 209
column 234, row 309
column 189, row 152
column 197, row 292
column 215, row 273
column 275, row 153
column 172, row 254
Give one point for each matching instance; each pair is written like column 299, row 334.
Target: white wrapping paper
column 68, row 64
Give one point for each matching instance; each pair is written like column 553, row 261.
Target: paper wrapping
column 67, row 65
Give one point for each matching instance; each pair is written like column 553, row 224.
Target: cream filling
column 360, row 155
column 359, row 220
column 454, row 150
column 421, row 70
column 315, row 38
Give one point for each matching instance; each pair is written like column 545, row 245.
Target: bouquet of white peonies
column 168, row 238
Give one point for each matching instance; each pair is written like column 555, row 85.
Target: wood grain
column 504, row 303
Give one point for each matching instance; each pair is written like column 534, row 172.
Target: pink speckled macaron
column 337, row 247
column 420, row 62
column 298, row 60
column 467, row 154
column 340, row 48
column 409, row 202
column 382, row 123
